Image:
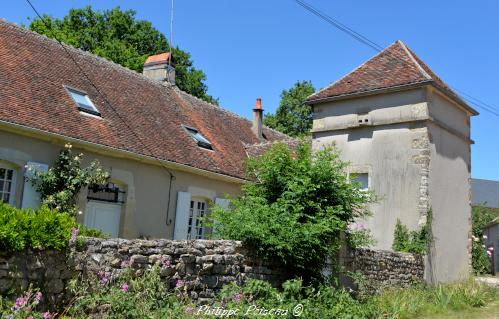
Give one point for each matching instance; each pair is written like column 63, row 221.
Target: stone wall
column 382, row 268
column 203, row 266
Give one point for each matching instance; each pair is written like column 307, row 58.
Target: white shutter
column 222, row 202
column 31, row 198
column 182, row 215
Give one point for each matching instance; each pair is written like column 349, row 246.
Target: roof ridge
column 117, row 66
column 352, row 71
column 413, row 59
column 88, row 54
column 220, row 108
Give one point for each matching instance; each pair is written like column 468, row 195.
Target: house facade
column 170, row 154
column 406, row 135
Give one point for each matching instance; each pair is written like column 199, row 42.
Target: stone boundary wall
column 383, row 268
column 202, row 266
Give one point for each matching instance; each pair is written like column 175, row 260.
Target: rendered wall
column 392, row 148
column 147, row 186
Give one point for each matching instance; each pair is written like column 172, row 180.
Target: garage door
column 104, row 216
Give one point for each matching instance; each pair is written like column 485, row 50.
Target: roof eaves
column 370, row 92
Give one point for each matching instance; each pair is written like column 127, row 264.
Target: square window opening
column 199, row 138
column 362, row 179
column 83, row 102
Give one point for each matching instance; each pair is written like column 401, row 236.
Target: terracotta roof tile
column 33, row 73
column 395, row 66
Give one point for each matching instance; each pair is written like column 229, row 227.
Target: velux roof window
column 200, row 139
column 83, row 102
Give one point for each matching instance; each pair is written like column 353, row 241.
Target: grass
column 459, row 300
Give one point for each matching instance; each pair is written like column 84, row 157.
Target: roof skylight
column 83, row 102
column 199, row 138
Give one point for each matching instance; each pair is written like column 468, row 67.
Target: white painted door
column 103, row 216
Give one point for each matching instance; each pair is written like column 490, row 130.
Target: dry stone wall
column 201, row 266
column 382, row 268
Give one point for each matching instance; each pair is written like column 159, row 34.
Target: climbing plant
column 60, row 185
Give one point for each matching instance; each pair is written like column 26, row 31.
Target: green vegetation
column 43, row 228
column 296, row 210
column 129, row 295
column 481, row 216
column 293, row 116
column 120, row 37
column 60, row 185
column 415, row 241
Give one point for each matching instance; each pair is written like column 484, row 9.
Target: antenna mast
column 171, row 33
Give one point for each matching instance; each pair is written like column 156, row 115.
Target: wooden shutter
column 31, row 198
column 182, row 215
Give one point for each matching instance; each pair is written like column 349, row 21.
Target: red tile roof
column 395, row 66
column 34, row 70
column 158, row 58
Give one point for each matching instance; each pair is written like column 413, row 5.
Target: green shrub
column 296, row 209
column 415, row 241
column 481, row 216
column 43, row 228
column 91, row 232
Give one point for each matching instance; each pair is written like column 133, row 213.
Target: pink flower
column 222, row 303
column 238, row 297
column 30, row 317
column 38, row 297
column 489, row 253
column 103, row 277
column 189, row 310
column 125, row 264
column 165, row 262
column 47, row 315
column 180, row 283
column 124, row 288
column 491, row 248
column 74, row 233
column 20, row 303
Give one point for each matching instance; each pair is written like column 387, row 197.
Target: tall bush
column 295, row 209
column 481, row 216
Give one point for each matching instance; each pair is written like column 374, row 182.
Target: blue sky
column 258, row 48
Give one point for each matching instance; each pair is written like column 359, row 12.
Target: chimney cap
column 158, row 58
column 258, row 104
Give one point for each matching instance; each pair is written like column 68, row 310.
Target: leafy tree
column 119, row 36
column 293, row 116
column 59, row 186
column 296, row 209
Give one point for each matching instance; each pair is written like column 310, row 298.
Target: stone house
column 170, row 154
column 406, row 135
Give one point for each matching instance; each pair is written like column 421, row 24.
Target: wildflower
column 74, row 233
column 489, row 253
column 124, row 288
column 180, row 284
column 47, row 315
column 222, row 303
column 238, row 297
column 165, row 262
column 491, row 248
column 20, row 303
column 125, row 264
column 30, row 317
column 189, row 310
column 485, row 237
column 103, row 277
column 38, row 297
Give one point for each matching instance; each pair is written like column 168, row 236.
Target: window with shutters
column 7, row 185
column 197, row 211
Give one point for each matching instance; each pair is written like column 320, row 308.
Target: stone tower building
column 406, row 135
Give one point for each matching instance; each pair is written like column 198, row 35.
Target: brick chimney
column 258, row 119
column 159, row 68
